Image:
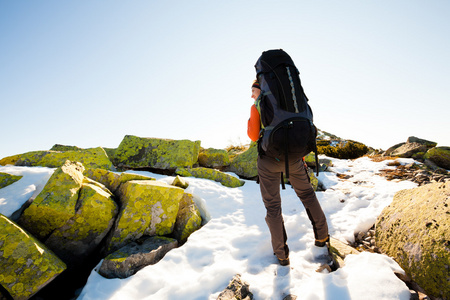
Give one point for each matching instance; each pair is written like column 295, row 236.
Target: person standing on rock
column 269, row 170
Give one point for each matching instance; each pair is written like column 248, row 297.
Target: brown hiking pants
column 269, row 172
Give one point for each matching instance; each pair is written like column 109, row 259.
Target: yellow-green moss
column 7, row 179
column 91, row 158
column 213, row 158
column 343, row 150
column 27, row 265
column 148, row 208
column 245, row 163
column 415, row 231
column 55, row 205
column 156, row 153
column 188, row 220
column 223, row 178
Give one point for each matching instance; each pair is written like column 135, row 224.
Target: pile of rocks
column 418, row 173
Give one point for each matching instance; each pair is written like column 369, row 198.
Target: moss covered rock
column 244, row 164
column 213, row 158
column 135, row 152
column 223, row 178
column 188, row 220
column 415, row 231
column 344, row 149
column 440, row 156
column 147, row 208
column 131, row 258
column 113, row 180
column 56, row 203
column 90, row 158
column 26, row 264
column 82, row 233
column 7, row 179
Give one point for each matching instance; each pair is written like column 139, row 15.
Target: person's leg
column 269, row 182
column 298, row 176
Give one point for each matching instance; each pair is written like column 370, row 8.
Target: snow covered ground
column 236, row 241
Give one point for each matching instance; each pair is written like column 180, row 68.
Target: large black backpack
column 287, row 120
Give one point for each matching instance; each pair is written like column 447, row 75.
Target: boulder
column 56, row 203
column 26, row 264
column 112, row 180
column 90, row 158
column 147, row 208
column 223, row 178
column 180, row 182
column 136, row 152
column 82, row 233
column 415, row 230
column 440, row 156
column 213, row 158
column 407, row 150
column 244, row 164
column 7, row 179
column 188, row 220
column 392, row 148
column 413, row 139
column 129, row 259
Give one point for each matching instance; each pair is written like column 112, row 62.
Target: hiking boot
column 284, row 262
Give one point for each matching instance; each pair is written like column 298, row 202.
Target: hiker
column 269, row 169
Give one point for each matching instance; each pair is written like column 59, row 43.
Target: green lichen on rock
column 81, row 234
column 344, row 149
column 138, row 152
column 90, row 158
column 112, row 180
column 213, row 158
column 58, row 147
column 7, row 179
column 55, row 205
column 415, row 231
column 147, row 208
column 225, row 179
column 26, row 264
column 188, row 220
column 440, row 156
column 244, row 164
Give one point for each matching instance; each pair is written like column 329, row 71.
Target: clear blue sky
column 86, row 73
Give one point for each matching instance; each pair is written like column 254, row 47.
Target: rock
column 56, row 203
column 223, row 178
column 313, row 179
column 90, row 158
column 113, row 180
column 408, row 149
column 136, row 152
column 413, row 139
column 82, row 234
column 26, row 264
column 391, row 149
column 7, row 179
column 147, row 208
column 180, row 182
column 244, row 164
column 440, row 156
column 129, row 259
column 415, row 230
column 188, row 219
column 213, row 158
column 237, row 289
